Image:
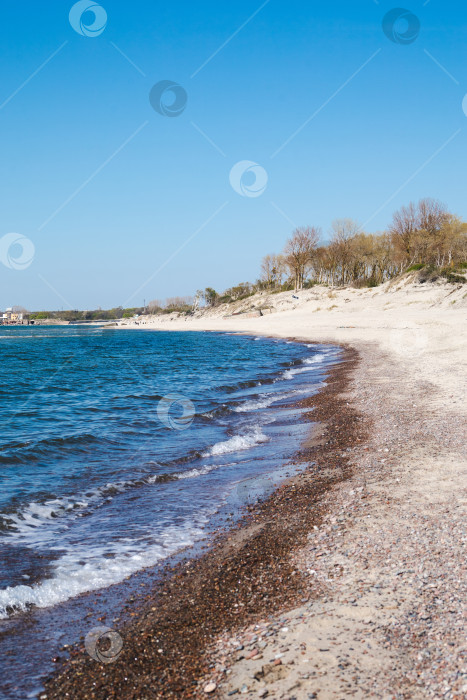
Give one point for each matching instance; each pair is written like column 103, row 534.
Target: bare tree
column 432, row 216
column 279, row 269
column 343, row 233
column 299, row 250
column 154, row 305
column 178, row 302
column 272, row 270
column 404, row 229
column 422, row 233
column 198, row 298
column 267, row 270
column 418, row 230
column 19, row 310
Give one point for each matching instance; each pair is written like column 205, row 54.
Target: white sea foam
column 39, row 523
column 90, row 569
column 267, row 400
column 33, row 516
column 314, row 360
column 193, row 473
column 238, row 443
column 201, row 471
column 87, row 568
column 255, row 404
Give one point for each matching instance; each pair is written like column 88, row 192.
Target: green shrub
column 430, row 273
column 451, row 277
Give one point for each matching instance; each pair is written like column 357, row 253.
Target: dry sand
column 391, row 552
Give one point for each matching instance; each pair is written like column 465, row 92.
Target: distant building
column 10, row 317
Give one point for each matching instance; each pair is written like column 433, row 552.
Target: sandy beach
column 365, row 593
column 233, row 310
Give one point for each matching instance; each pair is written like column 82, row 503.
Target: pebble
column 210, row 688
column 251, row 654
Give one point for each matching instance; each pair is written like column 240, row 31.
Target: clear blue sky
column 127, row 202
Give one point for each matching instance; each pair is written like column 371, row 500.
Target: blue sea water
column 119, row 448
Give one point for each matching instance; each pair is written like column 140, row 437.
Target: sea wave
column 55, row 523
column 237, row 443
column 40, row 522
column 21, row 452
column 84, row 570
column 307, row 365
column 266, row 400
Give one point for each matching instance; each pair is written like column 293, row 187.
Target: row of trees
column 74, row 316
column 420, row 234
column 182, row 304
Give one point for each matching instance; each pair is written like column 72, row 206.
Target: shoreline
column 387, row 558
column 267, row 534
column 389, row 555
column 101, row 605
